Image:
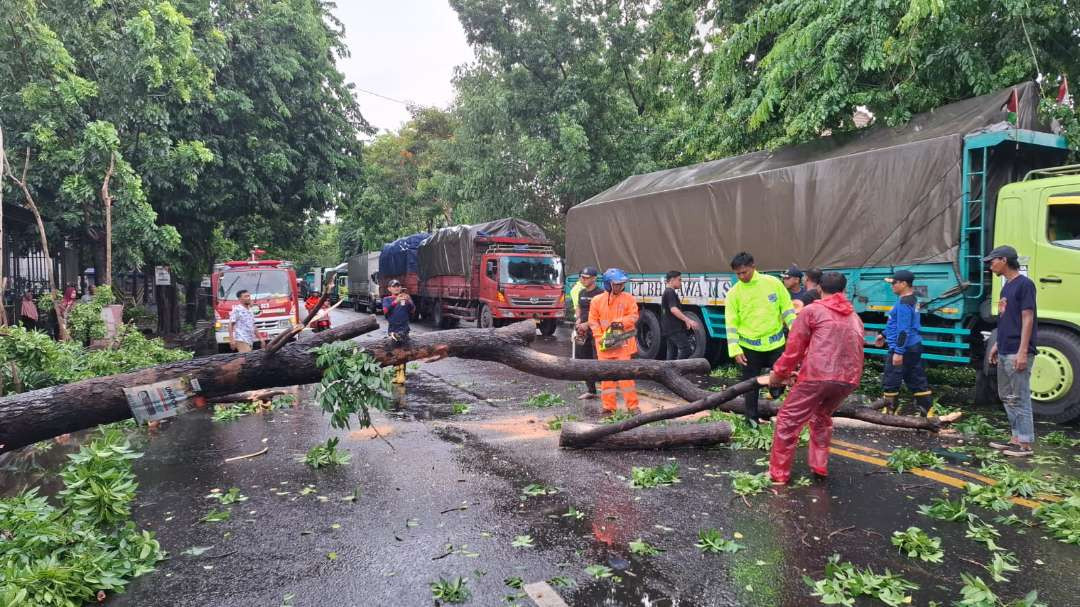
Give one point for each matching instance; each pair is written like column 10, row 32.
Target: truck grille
column 532, row 301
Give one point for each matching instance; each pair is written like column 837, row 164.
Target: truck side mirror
column 492, row 265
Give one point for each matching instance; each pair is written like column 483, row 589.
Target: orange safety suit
column 604, row 310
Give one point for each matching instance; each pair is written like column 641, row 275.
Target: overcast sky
column 402, row 49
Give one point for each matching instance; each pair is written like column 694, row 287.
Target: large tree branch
column 33, row 416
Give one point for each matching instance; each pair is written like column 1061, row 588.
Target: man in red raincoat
column 825, row 344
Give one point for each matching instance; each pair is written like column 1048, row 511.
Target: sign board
column 162, row 276
column 162, row 399
column 205, row 282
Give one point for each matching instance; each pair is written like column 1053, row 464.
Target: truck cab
column 1040, row 217
column 520, row 281
column 274, row 296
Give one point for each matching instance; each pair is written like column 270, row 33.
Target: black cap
column 394, row 283
column 589, row 271
column 793, row 272
column 902, row 276
column 1003, row 251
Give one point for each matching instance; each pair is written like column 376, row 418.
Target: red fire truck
column 274, row 296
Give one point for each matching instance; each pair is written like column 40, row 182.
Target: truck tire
column 699, row 337
column 1055, row 375
column 986, row 393
column 374, row 306
column 484, row 318
column 650, row 342
column 437, row 315
column 548, row 326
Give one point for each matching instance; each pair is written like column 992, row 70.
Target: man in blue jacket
column 903, row 363
column 398, row 308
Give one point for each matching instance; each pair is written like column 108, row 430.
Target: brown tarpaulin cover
column 878, row 197
column 449, row 251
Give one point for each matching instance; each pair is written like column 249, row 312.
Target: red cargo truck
column 494, row 273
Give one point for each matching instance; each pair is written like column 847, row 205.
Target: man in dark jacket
column 398, row 308
column 903, row 363
column 825, row 345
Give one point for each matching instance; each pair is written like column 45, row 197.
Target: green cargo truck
column 932, row 196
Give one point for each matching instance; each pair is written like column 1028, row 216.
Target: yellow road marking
column 929, row 474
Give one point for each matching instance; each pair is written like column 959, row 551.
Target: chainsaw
column 615, row 337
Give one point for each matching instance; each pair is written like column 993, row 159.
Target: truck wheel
column 438, row 316
column 986, row 393
column 650, row 343
column 1055, row 386
column 699, row 338
column 453, row 322
column 548, row 326
column 484, row 318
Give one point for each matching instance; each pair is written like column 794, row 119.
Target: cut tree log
column 689, row 435
column 33, row 416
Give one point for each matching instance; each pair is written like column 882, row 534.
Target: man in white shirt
column 242, row 324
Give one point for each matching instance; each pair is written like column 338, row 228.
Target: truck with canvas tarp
column 932, row 196
column 494, row 273
column 363, row 282
column 399, row 260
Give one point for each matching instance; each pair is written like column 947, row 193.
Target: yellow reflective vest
column 756, row 313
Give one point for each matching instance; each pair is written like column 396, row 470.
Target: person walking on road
column 825, row 346
column 398, row 307
column 793, row 281
column 904, row 363
column 242, row 324
column 1014, row 348
column 674, row 325
column 581, row 297
column 612, row 319
column 756, row 312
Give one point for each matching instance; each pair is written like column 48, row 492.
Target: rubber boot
column 890, row 399
column 399, row 375
column 925, row 402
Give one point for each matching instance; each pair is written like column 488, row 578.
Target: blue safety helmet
column 615, row 275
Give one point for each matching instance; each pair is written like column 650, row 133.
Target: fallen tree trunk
column 583, row 435
column 689, row 435
column 40, row 414
column 33, row 416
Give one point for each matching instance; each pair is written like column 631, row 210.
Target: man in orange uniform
column 612, row 316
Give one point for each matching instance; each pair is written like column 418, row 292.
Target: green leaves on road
column 353, row 383
column 905, row 458
column 917, row 545
column 322, row 456
column 544, row 400
column 647, row 478
column 453, row 591
column 711, row 541
column 844, row 583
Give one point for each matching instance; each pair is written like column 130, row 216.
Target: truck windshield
column 530, row 270
column 1063, row 225
column 262, row 284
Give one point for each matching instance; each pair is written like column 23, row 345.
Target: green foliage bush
column 40, row 362
column 63, row 556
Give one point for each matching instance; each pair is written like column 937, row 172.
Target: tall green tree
column 796, row 68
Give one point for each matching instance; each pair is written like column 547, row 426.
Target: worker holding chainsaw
column 756, row 311
column 612, row 319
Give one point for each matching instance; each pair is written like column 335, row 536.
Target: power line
column 405, row 103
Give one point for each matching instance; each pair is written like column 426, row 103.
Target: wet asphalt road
column 444, row 499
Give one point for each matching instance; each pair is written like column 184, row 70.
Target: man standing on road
column 581, row 296
column 612, row 318
column 1014, row 348
column 825, row 345
column 793, row 281
column 674, row 325
column 242, row 324
column 903, row 363
column 398, row 308
column 756, row 311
